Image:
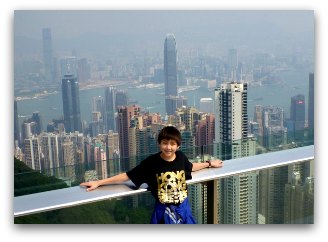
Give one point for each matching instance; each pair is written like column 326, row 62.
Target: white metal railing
column 73, row 196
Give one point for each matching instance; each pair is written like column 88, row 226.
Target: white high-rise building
column 237, row 194
column 50, row 151
column 32, row 153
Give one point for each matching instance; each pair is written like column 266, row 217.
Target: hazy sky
column 141, row 30
column 67, row 24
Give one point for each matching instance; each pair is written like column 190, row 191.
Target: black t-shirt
column 165, row 179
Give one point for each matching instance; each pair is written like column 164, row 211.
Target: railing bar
column 67, row 197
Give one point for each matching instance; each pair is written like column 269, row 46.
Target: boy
column 165, row 173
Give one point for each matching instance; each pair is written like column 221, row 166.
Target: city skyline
column 235, row 69
column 201, row 52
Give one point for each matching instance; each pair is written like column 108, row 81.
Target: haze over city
column 101, row 34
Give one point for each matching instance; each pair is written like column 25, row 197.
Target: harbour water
column 278, row 94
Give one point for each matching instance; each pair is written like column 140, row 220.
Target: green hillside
column 105, row 212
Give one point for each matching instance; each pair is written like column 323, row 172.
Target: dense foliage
column 105, row 212
column 28, row 181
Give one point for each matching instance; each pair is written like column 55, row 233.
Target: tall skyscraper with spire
column 47, row 54
column 238, row 194
column 170, row 66
column 172, row 100
column 71, row 103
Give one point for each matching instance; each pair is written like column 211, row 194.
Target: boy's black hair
column 169, row 133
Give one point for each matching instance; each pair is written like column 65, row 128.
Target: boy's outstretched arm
column 91, row 185
column 208, row 164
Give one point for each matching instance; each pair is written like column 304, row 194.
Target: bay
column 279, row 94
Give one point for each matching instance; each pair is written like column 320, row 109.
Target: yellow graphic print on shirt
column 172, row 187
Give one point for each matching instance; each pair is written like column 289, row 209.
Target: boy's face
column 168, row 148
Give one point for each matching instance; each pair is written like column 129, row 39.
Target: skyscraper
column 297, row 116
column 71, row 103
column 47, row 55
column 204, row 133
column 83, row 70
column 32, row 153
column 68, row 159
column 51, row 153
column 271, row 195
column 257, row 127
column 121, row 98
column 110, row 108
column 36, row 117
column 237, row 194
column 98, row 105
column 271, row 121
column 125, row 115
column 113, row 153
column 311, row 102
column 170, row 72
column 299, row 202
column 16, row 124
column 170, row 66
column 231, row 121
column 99, row 154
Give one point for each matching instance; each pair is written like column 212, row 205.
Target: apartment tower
column 237, row 194
column 124, row 119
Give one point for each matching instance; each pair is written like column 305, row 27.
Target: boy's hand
column 216, row 163
column 92, row 185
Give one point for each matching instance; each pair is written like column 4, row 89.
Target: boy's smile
column 168, row 149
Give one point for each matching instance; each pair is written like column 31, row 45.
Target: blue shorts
column 172, row 214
